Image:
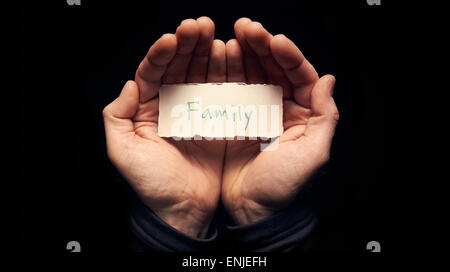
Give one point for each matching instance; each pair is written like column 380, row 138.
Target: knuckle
column 107, row 112
column 332, row 116
column 336, row 116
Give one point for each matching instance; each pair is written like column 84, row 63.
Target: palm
column 266, row 181
column 252, row 174
column 193, row 169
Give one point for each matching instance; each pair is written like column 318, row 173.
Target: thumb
column 322, row 102
column 320, row 128
column 118, row 114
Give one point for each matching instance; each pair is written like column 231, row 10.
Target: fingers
column 300, row 73
column 320, row 128
column 253, row 70
column 217, row 62
column 234, row 62
column 187, row 35
column 152, row 68
column 281, row 60
column 199, row 63
column 259, row 39
column 119, row 113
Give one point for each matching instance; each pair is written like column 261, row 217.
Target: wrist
column 188, row 223
column 186, row 219
column 151, row 233
column 249, row 212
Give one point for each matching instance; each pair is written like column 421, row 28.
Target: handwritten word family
column 220, row 111
column 195, row 118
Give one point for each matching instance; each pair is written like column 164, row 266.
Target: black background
column 74, row 60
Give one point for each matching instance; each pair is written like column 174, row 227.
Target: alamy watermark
column 227, row 122
column 73, row 2
column 73, row 246
column 373, row 2
column 373, row 246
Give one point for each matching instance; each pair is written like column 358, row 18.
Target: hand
column 257, row 184
column 179, row 180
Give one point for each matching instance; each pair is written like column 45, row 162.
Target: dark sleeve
column 290, row 229
column 150, row 233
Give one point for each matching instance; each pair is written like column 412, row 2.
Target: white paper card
column 220, row 110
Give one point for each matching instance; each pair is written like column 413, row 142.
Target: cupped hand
column 258, row 183
column 179, row 180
